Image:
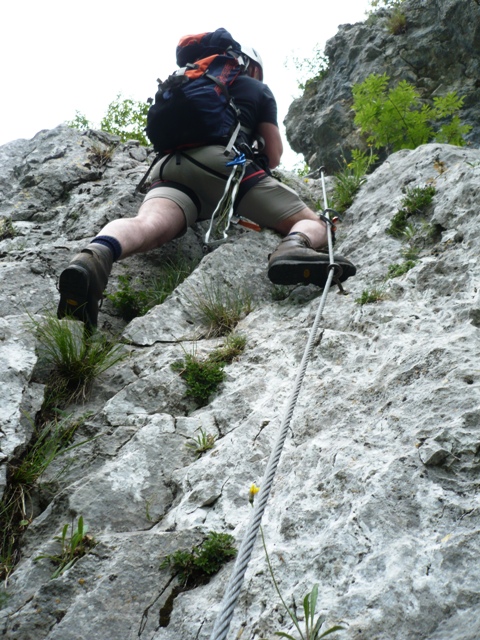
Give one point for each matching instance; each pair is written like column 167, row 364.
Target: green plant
column 396, row 118
column 396, row 270
column 196, row 566
column 202, row 443
column 415, row 202
column 7, row 230
column 80, row 122
column 100, row 155
column 220, row 310
column 48, row 442
column 230, row 350
column 202, row 376
column 349, row 180
column 397, row 22
column 126, row 118
column 136, row 296
column 370, row 296
column 74, row 547
column 310, row 69
column 74, row 359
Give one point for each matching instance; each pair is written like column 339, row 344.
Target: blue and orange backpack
column 193, row 106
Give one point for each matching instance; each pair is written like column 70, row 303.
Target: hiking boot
column 82, row 283
column 296, row 262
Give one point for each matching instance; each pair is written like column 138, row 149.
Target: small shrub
column 7, row 230
column 80, row 122
column 220, row 310
column 415, row 202
column 397, row 119
column 196, row 566
column 202, row 377
column 74, row 547
column 48, row 442
column 397, row 270
column 232, row 348
column 397, row 22
column 311, row 69
column 349, row 180
column 127, row 119
column 100, row 155
column 202, row 443
column 369, row 296
column 75, row 359
column 136, row 296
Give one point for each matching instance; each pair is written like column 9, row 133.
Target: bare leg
column 158, row 221
column 307, row 222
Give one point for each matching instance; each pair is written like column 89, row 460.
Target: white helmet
column 254, row 64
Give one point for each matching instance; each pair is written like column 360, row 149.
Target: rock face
column 438, row 53
column 376, row 494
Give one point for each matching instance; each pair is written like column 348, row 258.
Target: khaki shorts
column 197, row 190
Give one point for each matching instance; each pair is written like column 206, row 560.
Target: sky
column 59, row 57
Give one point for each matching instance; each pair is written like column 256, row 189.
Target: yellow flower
column 252, row 492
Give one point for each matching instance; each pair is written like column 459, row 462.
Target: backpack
column 193, row 106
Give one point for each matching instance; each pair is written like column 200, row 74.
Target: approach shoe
column 82, row 284
column 295, row 261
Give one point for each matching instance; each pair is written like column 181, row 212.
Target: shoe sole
column 289, row 272
column 73, row 285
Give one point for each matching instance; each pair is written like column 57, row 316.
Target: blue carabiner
column 240, row 159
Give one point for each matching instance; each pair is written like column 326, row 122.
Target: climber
column 187, row 184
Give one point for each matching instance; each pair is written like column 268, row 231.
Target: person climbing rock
column 191, row 171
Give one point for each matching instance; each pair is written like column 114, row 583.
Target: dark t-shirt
column 255, row 101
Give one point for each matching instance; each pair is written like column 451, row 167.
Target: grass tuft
column 221, row 310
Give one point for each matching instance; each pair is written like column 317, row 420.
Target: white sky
column 58, row 57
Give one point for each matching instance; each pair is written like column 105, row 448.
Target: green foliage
column 48, row 442
column 80, row 122
column 203, row 376
column 126, row 118
column 312, row 627
column 349, row 180
column 74, row 359
column 397, row 119
column 415, row 202
column 196, row 566
column 135, row 295
column 369, row 296
column 7, row 230
column 73, row 547
column 202, row 443
column 220, row 310
column 311, row 69
column 396, row 270
column 397, row 22
column 377, row 4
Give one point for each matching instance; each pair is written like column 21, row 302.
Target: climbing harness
column 222, row 216
column 232, row 592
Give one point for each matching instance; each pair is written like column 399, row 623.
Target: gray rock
column 375, row 497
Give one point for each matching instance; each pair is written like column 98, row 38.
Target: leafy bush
column 220, row 310
column 397, row 119
column 310, row 69
column 415, row 202
column 369, row 296
column 125, row 118
column 135, row 296
column 203, row 376
column 74, row 359
column 396, row 270
column 73, row 547
column 196, row 566
column 349, row 180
